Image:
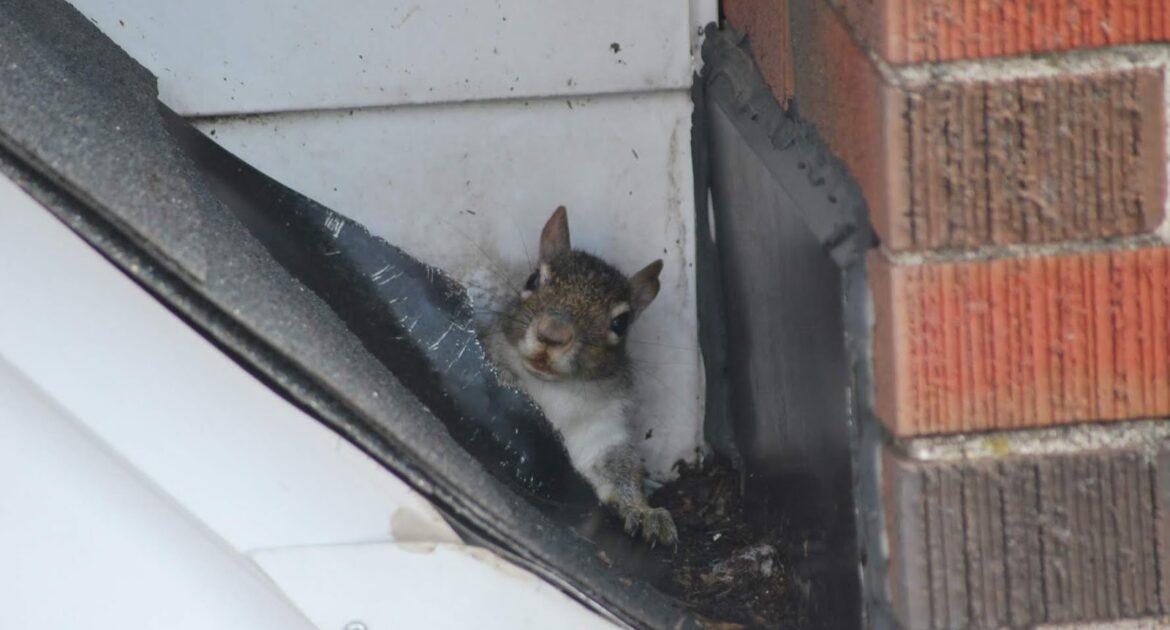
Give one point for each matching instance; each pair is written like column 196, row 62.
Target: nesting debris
column 729, row 574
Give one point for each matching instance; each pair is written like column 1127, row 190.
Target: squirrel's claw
column 655, row 524
column 658, row 527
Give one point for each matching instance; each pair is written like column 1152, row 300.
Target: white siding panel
column 233, row 56
column 468, row 187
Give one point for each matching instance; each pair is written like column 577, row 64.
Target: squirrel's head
column 572, row 316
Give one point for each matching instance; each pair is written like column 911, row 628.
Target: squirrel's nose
column 554, row 332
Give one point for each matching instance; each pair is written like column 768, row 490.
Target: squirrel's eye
column 619, row 324
column 533, row 281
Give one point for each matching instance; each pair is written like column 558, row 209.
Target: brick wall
column 1013, row 159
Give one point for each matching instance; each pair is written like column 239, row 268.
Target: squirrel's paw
column 656, row 524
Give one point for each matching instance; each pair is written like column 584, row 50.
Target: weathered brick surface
column 766, row 23
column 1025, row 540
column 1032, row 160
column 1064, row 150
column 970, row 346
column 964, row 163
column 908, row 31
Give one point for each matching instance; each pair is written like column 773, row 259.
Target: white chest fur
column 591, row 416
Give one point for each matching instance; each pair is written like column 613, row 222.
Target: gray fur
column 622, row 471
column 583, row 380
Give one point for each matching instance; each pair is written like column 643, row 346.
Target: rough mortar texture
column 1021, row 541
column 911, row 31
column 1147, row 435
column 1021, row 342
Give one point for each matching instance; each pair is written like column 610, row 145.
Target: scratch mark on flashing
column 460, row 355
column 443, row 336
column 334, row 224
column 377, row 274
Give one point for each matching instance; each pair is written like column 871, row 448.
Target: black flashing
column 793, row 233
column 818, row 185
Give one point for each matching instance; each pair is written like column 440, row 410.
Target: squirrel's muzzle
column 554, row 332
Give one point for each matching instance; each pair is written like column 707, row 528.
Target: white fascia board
column 419, row 585
column 87, row 542
column 252, row 467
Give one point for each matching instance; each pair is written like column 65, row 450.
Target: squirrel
column 562, row 340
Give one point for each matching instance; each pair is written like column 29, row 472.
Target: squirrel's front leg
column 617, row 477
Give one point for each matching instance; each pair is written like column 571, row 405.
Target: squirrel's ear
column 645, row 286
column 554, row 238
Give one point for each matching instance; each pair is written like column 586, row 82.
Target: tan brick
column 910, row 31
column 1031, row 160
column 960, row 163
column 997, row 344
column 1025, row 540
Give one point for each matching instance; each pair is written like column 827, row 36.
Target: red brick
column 766, row 23
column 839, row 90
column 1008, row 343
column 1025, row 540
column 911, row 31
column 963, row 163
